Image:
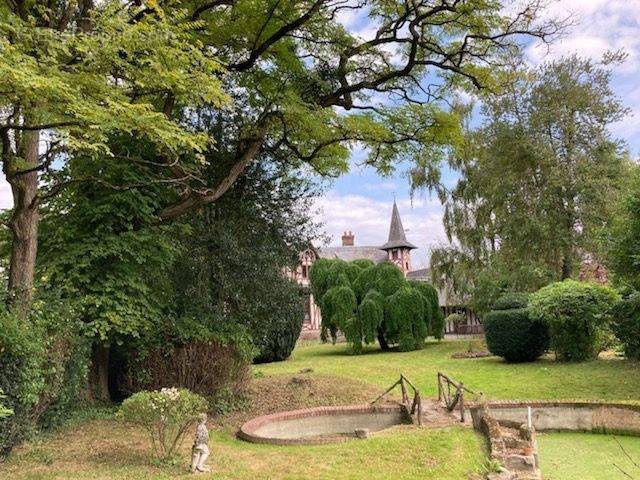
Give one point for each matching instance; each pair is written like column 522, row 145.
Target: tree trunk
column 382, row 341
column 98, row 388
column 23, row 222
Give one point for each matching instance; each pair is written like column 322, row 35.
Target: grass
column 585, row 456
column 101, row 448
column 604, row 379
column 105, row 449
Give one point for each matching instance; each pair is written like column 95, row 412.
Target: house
column 397, row 250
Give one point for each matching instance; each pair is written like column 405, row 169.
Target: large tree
column 299, row 87
column 538, row 181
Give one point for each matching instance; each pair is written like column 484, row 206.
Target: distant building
column 397, row 250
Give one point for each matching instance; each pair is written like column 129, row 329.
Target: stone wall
column 518, row 454
column 598, row 417
column 515, row 451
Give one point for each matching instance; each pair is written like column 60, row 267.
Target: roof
column 421, row 274
column 353, row 253
column 397, row 237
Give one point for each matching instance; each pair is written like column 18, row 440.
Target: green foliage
column 514, row 336
column 404, row 321
column 512, row 300
column 578, row 315
column 539, row 180
column 4, row 411
column 319, row 276
column 339, row 309
column 626, row 325
column 434, row 316
column 165, row 415
column 389, row 279
column 624, row 236
column 370, row 316
column 96, row 252
column 342, row 274
column 363, row 263
column 275, row 328
column 362, row 306
column 365, row 282
column 235, row 252
column 118, row 71
column 43, row 367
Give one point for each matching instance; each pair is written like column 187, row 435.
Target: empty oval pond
column 323, row 424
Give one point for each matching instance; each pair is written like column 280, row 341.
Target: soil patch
column 280, row 393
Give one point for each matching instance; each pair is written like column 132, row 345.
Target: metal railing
column 413, row 406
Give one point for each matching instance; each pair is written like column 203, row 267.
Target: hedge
column 626, row 325
column 578, row 315
column 514, row 336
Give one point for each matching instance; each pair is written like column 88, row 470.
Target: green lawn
column 105, row 449
column 586, row 456
column 606, row 379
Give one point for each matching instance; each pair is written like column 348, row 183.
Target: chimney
column 347, row 239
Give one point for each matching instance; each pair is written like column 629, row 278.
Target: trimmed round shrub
column 514, row 336
column 511, row 300
column 165, row 415
column 626, row 325
column 578, row 315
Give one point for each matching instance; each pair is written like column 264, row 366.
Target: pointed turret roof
column 397, row 237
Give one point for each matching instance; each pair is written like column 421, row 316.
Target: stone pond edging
column 554, row 415
column 379, row 416
column 517, row 453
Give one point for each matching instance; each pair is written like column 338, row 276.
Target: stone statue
column 200, row 450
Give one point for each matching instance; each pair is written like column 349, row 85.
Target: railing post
column 461, row 401
column 419, row 409
column 405, row 397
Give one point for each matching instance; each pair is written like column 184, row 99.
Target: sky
column 361, row 201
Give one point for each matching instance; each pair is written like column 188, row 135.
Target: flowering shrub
column 165, row 414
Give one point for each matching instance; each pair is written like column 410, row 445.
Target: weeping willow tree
column 404, row 320
column 368, row 302
column 433, row 314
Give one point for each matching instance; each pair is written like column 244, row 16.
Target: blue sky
column 361, row 201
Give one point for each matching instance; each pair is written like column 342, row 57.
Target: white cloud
column 369, row 220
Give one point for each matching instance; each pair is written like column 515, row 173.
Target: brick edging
column 247, row 431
